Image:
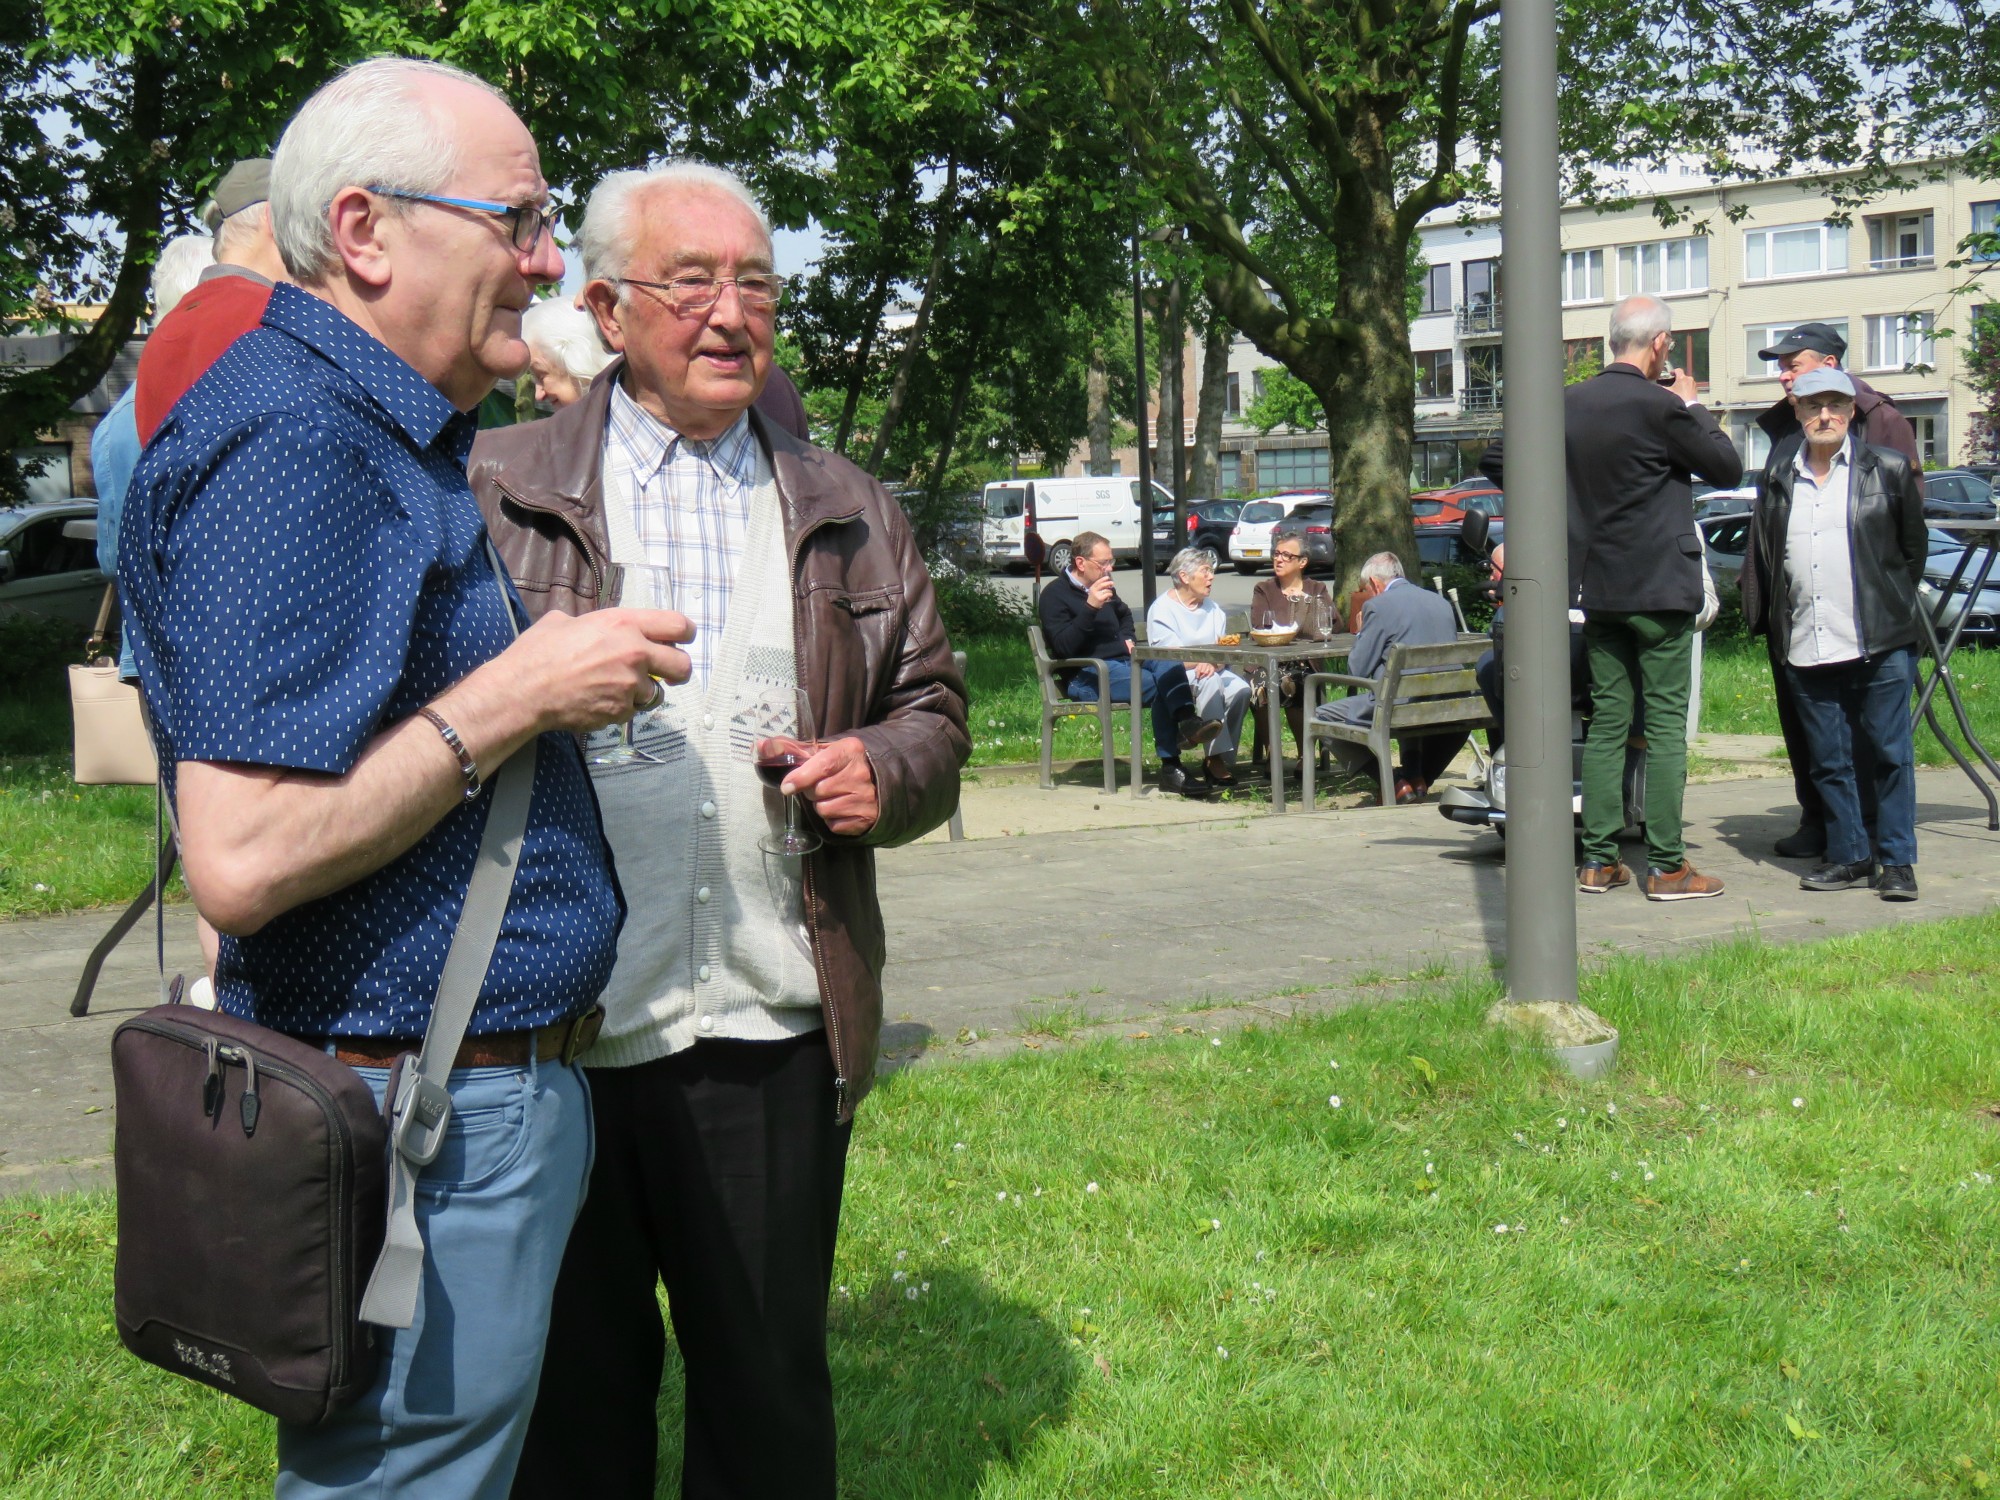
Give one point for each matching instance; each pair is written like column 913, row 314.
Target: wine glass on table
column 789, row 745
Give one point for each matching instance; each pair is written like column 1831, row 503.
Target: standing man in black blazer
column 1634, row 440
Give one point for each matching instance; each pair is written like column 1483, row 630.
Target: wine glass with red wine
column 778, row 755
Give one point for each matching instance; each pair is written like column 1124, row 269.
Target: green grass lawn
column 63, row 846
column 1378, row 1254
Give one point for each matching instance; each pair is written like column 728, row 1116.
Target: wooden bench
column 1422, row 689
column 1056, row 706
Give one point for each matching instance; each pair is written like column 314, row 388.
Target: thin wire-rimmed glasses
column 693, row 294
column 525, row 221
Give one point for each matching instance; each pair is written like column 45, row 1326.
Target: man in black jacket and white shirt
column 1082, row 616
column 1840, row 546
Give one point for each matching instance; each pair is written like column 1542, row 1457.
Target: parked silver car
column 1982, row 610
column 43, row 572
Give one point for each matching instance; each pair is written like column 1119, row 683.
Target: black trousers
column 719, row 1170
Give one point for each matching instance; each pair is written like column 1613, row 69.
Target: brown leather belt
column 563, row 1041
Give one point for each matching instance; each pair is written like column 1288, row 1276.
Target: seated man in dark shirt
column 1082, row 615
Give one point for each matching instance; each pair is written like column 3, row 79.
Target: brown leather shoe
column 1683, row 884
column 1595, row 879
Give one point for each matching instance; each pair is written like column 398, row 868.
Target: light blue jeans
column 446, row 1416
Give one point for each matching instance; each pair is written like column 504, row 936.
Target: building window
column 1896, row 341
column 1758, row 336
column 1232, row 394
column 1794, row 250
column 1292, row 468
column 1437, row 290
column 55, row 481
column 1664, row 267
column 1229, row 473
column 1689, row 351
column 1256, row 385
column 1109, row 469
column 1482, row 282
column 1986, row 221
column 1582, row 358
column 1482, row 378
column 1583, row 276
column 1901, row 242
column 1930, row 441
column 1433, row 374
column 1433, row 463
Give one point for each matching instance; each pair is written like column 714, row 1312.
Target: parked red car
column 1446, row 507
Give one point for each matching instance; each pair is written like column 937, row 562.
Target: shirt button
column 708, row 809
column 702, row 895
column 702, row 973
column 708, row 1023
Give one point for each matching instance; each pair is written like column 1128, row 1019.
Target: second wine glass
column 777, row 755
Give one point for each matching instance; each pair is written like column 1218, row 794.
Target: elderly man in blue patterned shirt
column 332, row 667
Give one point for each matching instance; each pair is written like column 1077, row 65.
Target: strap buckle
column 419, row 1116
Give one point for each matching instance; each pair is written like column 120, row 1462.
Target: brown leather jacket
column 871, row 648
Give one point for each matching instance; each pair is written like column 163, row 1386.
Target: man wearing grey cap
column 228, row 301
column 1809, row 347
column 1840, row 545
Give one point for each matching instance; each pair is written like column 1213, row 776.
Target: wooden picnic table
column 1247, row 659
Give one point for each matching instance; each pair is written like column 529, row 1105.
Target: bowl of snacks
column 1274, row 635
column 1229, row 640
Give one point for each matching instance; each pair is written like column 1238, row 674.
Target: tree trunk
column 1169, row 451
column 864, row 349
column 961, row 389
column 1097, row 396
column 899, row 388
column 1204, row 468
column 37, row 401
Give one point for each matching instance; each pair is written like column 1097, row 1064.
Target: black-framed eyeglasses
column 525, row 221
column 1290, row 556
column 693, row 294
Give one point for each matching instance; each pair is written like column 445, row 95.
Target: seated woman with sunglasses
column 1185, row 616
column 1290, row 598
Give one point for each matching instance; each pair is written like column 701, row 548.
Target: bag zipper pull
column 250, row 1105
column 211, row 1086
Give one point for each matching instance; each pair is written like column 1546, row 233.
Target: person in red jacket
column 225, row 304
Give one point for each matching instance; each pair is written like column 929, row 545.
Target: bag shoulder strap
column 418, row 1103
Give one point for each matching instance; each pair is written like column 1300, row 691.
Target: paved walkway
column 1179, row 913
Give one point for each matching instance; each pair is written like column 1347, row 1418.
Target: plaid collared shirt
column 690, row 506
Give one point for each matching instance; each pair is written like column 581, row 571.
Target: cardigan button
column 702, row 895
column 702, row 973
column 708, row 809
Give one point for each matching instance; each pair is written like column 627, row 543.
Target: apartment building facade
column 1740, row 265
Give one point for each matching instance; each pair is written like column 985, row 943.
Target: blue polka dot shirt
column 303, row 565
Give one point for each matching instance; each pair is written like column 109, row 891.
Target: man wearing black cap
column 228, row 301
column 1878, row 424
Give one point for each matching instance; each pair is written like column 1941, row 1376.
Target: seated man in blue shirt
column 1395, row 612
column 332, row 667
column 1082, row 615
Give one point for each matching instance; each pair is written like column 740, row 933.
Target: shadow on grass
column 930, row 1394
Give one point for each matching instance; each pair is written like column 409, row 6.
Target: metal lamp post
column 1541, row 893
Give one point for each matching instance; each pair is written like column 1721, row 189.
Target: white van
column 1056, row 510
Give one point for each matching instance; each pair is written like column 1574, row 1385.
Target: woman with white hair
column 564, row 351
column 1185, row 616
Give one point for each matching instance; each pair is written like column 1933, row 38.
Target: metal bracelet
column 467, row 766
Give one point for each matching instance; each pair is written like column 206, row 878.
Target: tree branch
column 1308, row 208
column 1432, row 192
column 1321, row 126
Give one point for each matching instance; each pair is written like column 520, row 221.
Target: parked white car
column 44, row 572
column 1056, row 510
column 1250, row 541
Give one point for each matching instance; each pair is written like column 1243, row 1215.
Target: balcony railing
column 1480, row 400
column 1903, row 263
column 1482, row 316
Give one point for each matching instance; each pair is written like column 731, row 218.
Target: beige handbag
column 112, row 746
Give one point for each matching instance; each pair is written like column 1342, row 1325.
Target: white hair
column 609, row 220
column 563, row 332
column 237, row 234
column 182, row 260
column 1637, row 321
column 1381, row 568
column 371, row 126
column 1191, row 560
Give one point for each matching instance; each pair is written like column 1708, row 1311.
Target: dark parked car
column 1311, row 525
column 1445, row 546
column 1957, row 495
column 1209, row 525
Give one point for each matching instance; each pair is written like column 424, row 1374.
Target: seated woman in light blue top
column 1185, row 616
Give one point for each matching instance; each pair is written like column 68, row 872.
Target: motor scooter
column 1483, row 804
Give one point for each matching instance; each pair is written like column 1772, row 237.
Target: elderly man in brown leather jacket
column 743, row 1015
